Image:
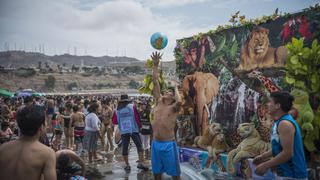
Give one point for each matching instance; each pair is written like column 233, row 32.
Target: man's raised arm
column 155, row 75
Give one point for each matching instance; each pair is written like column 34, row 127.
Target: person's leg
column 137, row 141
column 71, row 137
column 157, row 176
column 58, row 141
column 76, row 142
column 147, row 146
column 176, row 177
column 143, row 145
column 66, row 134
column 157, row 166
column 170, row 159
column 95, row 156
column 103, row 132
column 125, row 143
column 49, row 122
column 90, row 157
column 110, row 137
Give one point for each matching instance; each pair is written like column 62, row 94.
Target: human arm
column 136, row 116
column 49, row 170
column 155, row 75
column 286, row 134
column 262, row 157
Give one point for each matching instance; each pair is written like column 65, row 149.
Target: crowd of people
column 75, row 128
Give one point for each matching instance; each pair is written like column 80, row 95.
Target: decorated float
column 227, row 74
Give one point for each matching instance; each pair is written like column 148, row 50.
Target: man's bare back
column 164, row 122
column 50, row 103
column 27, row 159
column 77, row 119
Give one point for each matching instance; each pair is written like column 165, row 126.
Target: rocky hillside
column 29, row 59
column 21, row 70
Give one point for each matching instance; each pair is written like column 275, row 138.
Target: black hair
column 86, row 103
column 93, row 107
column 28, row 99
column 75, row 108
column 106, row 101
column 284, row 98
column 68, row 105
column 30, row 119
column 63, row 161
column 61, row 110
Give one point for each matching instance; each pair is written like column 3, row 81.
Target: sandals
column 127, row 168
column 143, row 167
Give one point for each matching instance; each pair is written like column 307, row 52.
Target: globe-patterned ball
column 159, row 40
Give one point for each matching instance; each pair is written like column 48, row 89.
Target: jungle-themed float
column 226, row 76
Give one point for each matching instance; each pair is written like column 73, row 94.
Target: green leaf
column 141, row 90
column 315, row 87
column 314, row 44
column 233, row 49
column 299, row 84
column 221, row 43
column 294, row 59
column 149, row 63
column 147, row 79
column 289, row 79
column 151, row 86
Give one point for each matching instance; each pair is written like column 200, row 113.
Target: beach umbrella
column 6, row 93
column 24, row 94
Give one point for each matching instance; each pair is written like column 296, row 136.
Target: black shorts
column 126, row 140
column 58, row 132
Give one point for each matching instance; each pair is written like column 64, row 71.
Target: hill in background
column 19, row 69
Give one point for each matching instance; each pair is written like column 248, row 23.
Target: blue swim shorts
column 165, row 158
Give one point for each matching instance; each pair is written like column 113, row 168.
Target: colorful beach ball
column 159, row 40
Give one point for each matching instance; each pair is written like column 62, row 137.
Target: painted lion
column 251, row 146
column 206, row 139
column 218, row 145
column 256, row 53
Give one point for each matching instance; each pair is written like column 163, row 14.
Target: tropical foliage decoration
column 302, row 72
column 148, row 85
column 302, row 67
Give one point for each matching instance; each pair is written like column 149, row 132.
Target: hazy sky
column 119, row 27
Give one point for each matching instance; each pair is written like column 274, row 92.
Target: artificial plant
column 148, row 85
column 302, row 72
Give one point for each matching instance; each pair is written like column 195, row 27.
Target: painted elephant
column 202, row 87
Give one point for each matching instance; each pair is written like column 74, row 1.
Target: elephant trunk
column 200, row 111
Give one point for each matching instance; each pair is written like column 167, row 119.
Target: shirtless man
column 106, row 125
column 27, row 158
column 164, row 147
column 77, row 121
